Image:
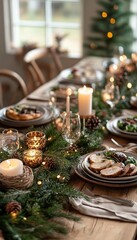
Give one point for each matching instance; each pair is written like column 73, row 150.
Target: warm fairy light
column 14, row 214
column 68, row 91
column 58, row 176
column 49, row 139
column 25, row 219
column 129, row 85
column 123, row 97
column 109, row 34
column 136, row 95
column 123, row 58
column 112, row 20
column 39, row 182
column 103, row 128
column 104, row 14
column 111, row 79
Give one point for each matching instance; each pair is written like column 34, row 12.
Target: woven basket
column 23, row 181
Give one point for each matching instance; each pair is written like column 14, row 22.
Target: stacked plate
column 47, row 115
column 133, row 101
column 112, row 126
column 83, row 171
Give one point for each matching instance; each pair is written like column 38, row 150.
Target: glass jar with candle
column 32, row 157
column 35, row 140
column 10, row 140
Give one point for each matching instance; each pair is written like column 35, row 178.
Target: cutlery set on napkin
column 106, row 207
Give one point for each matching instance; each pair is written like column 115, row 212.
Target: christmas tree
column 110, row 29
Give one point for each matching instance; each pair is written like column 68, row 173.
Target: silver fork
column 116, row 143
column 121, row 146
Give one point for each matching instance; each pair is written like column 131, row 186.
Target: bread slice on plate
column 112, row 171
column 97, row 166
column 95, row 158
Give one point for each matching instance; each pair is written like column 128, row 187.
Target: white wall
column 10, row 61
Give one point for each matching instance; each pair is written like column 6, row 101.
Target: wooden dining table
column 88, row 227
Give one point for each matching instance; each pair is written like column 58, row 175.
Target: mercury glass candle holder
column 32, row 157
column 35, row 140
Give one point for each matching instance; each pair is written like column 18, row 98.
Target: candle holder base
column 23, row 181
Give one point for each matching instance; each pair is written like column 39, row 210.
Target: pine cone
column 73, row 148
column 92, row 122
column 13, row 206
column 48, row 163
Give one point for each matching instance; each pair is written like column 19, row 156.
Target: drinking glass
column 113, row 95
column 10, row 140
column 71, row 127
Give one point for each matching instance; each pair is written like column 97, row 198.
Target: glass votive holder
column 32, row 157
column 35, row 140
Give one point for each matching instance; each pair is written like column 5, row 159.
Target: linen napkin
column 105, row 207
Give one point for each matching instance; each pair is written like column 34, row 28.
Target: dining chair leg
column 1, row 96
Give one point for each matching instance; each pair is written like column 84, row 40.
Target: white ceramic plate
column 133, row 101
column 85, row 165
column 39, row 108
column 97, row 181
column 46, row 118
column 115, row 124
column 111, row 129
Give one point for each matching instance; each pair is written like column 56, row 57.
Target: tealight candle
column 85, row 101
column 11, row 167
column 32, row 157
column 35, row 140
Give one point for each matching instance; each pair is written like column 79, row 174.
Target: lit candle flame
column 69, row 91
column 9, row 163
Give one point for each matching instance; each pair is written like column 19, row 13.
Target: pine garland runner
column 47, row 199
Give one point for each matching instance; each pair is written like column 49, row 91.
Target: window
column 41, row 21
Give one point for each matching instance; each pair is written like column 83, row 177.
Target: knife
column 37, row 98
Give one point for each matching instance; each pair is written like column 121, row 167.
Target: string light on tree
column 112, row 20
column 129, row 85
column 110, row 35
column 104, row 14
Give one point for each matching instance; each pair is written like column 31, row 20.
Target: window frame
column 10, row 33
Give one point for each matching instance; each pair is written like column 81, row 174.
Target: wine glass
column 114, row 95
column 10, row 140
column 111, row 94
column 71, row 127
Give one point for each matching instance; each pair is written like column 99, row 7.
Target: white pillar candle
column 85, row 101
column 11, row 167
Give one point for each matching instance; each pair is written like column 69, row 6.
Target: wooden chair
column 12, row 87
column 42, row 64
